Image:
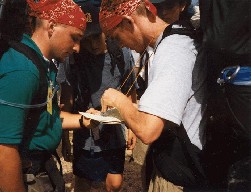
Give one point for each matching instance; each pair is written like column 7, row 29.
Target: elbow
column 147, row 140
column 148, row 137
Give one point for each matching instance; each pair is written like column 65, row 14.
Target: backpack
column 172, row 143
column 225, row 25
column 226, row 29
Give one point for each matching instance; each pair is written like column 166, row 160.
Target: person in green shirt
column 58, row 28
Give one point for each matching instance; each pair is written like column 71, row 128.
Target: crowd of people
column 186, row 93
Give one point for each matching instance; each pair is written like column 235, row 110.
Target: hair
column 169, row 4
column 184, row 14
column 12, row 24
column 141, row 9
column 14, row 19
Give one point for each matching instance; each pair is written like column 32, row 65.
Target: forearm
column 70, row 120
column 10, row 169
column 145, row 126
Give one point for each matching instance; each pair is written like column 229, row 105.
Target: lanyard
column 143, row 67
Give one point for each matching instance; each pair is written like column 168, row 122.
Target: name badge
column 49, row 99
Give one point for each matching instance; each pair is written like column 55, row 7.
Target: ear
column 51, row 26
column 127, row 23
column 151, row 16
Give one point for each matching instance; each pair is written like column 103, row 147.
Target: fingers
column 132, row 139
column 103, row 105
column 93, row 111
column 130, row 146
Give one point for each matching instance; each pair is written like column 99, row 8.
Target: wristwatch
column 81, row 122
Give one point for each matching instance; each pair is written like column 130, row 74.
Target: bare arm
column 10, row 169
column 131, row 137
column 71, row 121
column 145, row 126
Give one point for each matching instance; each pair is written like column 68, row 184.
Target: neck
column 156, row 31
column 41, row 41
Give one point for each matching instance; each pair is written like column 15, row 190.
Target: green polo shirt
column 19, row 81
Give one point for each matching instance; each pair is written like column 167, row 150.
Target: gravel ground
column 132, row 177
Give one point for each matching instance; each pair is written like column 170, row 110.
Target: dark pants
column 95, row 166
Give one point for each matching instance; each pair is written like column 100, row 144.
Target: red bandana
column 61, row 11
column 111, row 11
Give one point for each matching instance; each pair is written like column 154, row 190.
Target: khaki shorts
column 159, row 184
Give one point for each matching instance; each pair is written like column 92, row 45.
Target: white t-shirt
column 176, row 86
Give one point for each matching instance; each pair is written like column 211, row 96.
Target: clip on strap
column 228, row 74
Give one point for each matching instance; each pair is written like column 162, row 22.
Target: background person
column 98, row 153
column 172, row 10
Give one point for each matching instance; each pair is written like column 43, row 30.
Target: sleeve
column 170, row 80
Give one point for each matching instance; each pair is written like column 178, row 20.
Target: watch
column 81, row 122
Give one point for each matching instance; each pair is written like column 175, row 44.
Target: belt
column 236, row 75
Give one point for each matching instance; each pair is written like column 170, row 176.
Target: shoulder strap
column 116, row 54
column 180, row 28
column 33, row 56
column 41, row 95
column 80, row 83
column 117, row 58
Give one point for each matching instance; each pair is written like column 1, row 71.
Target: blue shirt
column 96, row 74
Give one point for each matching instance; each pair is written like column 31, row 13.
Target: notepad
column 102, row 119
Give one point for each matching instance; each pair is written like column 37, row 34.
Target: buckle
column 228, row 74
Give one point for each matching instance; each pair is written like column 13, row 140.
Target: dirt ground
column 132, row 177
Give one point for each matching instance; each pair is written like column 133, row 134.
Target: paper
column 102, row 119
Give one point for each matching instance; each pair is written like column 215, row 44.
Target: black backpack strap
column 80, row 83
column 180, row 28
column 41, row 95
column 117, row 58
column 55, row 175
column 32, row 55
column 116, row 54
